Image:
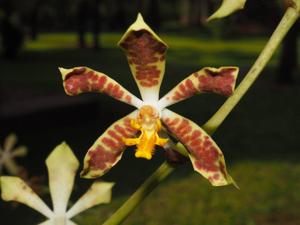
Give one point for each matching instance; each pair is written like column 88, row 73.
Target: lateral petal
column 145, row 52
column 62, row 167
column 216, row 80
column 108, row 148
column 227, row 7
column 83, row 79
column 15, row 189
column 20, row 151
column 11, row 166
column 10, row 141
column 99, row 192
column 205, row 155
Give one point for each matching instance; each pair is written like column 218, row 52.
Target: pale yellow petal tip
column 108, row 186
column 139, row 18
column 3, row 184
column 228, row 181
column 140, row 24
column 64, row 72
column 60, row 154
column 227, row 7
column 101, row 185
column 6, row 184
column 86, row 173
column 231, row 181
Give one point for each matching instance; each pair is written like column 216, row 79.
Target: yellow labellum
column 149, row 124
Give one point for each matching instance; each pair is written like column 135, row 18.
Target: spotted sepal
column 83, row 79
column 145, row 52
column 108, row 148
column 216, row 80
column 205, row 155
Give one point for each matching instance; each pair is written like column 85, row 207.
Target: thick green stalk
column 142, row 192
column 165, row 169
column 285, row 24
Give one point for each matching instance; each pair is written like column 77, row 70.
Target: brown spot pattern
column 220, row 82
column 185, row 90
column 208, row 157
column 82, row 80
column 144, row 52
column 108, row 148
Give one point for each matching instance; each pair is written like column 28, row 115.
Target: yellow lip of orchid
column 148, row 122
column 146, row 55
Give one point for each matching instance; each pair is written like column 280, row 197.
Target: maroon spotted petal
column 83, row 79
column 220, row 81
column 145, row 52
column 205, row 155
column 108, row 149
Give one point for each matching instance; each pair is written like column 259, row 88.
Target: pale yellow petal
column 62, row 167
column 15, row 189
column 10, row 141
column 20, row 151
column 99, row 192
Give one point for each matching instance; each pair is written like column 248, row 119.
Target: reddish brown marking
column 185, row 90
column 114, row 135
column 199, row 144
column 128, row 98
column 109, row 146
column 109, row 142
column 100, row 158
column 144, row 51
column 216, row 176
column 81, row 80
column 76, row 71
column 89, row 81
column 128, row 126
column 121, row 130
column 221, row 82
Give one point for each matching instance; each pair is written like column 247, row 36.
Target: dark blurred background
column 260, row 139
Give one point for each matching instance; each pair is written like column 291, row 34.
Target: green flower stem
column 142, row 192
column 285, row 24
column 212, row 124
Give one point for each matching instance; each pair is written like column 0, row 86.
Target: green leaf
column 227, row 7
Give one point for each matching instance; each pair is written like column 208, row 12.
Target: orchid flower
column 146, row 53
column 62, row 167
column 8, row 153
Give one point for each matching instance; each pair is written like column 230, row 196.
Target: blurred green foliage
column 268, row 196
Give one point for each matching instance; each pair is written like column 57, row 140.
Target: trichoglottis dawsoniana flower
column 8, row 153
column 62, row 167
column 146, row 53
